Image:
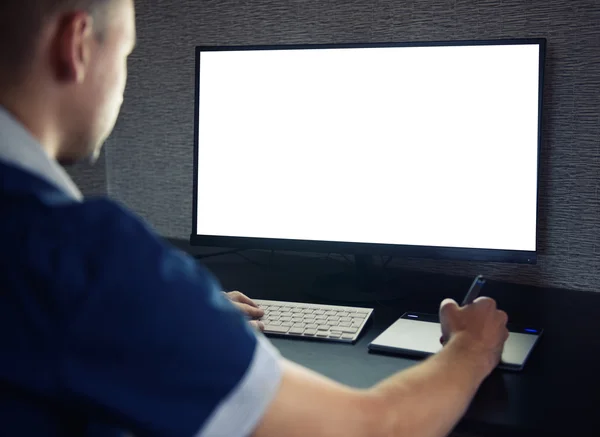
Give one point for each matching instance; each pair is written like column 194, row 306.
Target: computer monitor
column 402, row 149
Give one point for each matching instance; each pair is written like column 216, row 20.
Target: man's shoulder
column 99, row 217
column 85, row 221
column 96, row 234
column 18, row 181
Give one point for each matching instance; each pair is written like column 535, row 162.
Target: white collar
column 20, row 148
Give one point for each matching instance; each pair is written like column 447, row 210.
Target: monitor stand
column 362, row 283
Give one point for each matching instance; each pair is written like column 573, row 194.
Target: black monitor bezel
column 431, row 252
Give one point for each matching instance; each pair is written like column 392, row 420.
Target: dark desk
column 558, row 393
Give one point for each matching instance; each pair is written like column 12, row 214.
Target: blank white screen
column 428, row 146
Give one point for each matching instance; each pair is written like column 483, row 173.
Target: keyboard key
column 276, row 329
column 296, row 331
column 323, row 328
column 288, row 324
column 346, row 329
column 347, row 336
column 333, row 334
column 297, row 319
column 319, row 312
column 333, row 319
column 312, row 326
column 322, row 333
column 299, row 325
column 345, row 324
column 310, row 332
column 330, row 313
column 345, row 319
column 285, row 319
column 274, row 322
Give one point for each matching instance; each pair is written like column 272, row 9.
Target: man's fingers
column 503, row 317
column 487, row 301
column 257, row 324
column 237, row 296
column 447, row 306
column 251, row 311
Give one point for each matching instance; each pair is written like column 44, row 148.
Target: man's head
column 63, row 69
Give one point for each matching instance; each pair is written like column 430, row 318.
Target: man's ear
column 74, row 39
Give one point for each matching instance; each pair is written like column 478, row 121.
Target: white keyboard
column 324, row 322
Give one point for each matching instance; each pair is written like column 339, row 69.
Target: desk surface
column 557, row 394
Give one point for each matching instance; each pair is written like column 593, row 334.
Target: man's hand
column 248, row 307
column 478, row 327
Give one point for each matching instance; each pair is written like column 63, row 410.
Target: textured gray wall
column 150, row 162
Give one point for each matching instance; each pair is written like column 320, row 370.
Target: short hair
column 21, row 21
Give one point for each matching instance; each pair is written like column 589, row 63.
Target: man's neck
column 18, row 147
column 32, row 110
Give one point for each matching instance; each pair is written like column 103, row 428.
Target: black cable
column 346, row 258
column 273, row 267
column 270, row 267
column 323, row 257
column 225, row 252
column 251, row 261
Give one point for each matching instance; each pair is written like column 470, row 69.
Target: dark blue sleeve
column 153, row 345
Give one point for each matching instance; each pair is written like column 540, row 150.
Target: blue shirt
column 104, row 328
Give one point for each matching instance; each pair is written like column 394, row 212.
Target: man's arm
column 152, row 347
column 424, row 401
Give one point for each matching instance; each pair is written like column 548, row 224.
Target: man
column 105, row 329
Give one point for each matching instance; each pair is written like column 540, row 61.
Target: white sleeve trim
column 240, row 412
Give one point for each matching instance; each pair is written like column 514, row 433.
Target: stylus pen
column 471, row 295
column 474, row 291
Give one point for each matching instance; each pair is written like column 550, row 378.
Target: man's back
column 93, row 340
column 42, row 284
